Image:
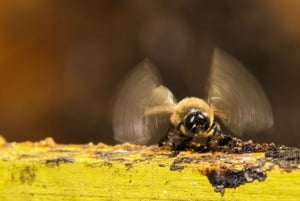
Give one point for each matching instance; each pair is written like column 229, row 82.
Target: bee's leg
column 169, row 136
column 175, row 140
column 181, row 141
column 218, row 140
column 213, row 141
column 167, row 142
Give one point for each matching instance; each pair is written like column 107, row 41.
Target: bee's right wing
column 143, row 107
column 237, row 97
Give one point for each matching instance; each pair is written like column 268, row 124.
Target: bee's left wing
column 143, row 107
column 236, row 96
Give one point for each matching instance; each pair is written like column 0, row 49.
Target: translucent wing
column 142, row 109
column 236, row 96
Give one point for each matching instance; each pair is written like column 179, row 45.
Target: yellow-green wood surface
column 47, row 171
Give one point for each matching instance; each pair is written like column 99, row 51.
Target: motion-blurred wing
column 236, row 96
column 142, row 109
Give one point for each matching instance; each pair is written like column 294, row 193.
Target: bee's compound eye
column 195, row 121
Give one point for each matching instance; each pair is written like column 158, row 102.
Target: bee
column 146, row 110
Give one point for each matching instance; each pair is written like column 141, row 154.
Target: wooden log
column 48, row 171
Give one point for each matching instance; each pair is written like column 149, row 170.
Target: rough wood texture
column 47, row 171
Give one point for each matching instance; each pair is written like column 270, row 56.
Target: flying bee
column 145, row 110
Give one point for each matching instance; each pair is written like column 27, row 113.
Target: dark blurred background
column 61, row 61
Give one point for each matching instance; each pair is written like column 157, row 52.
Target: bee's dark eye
column 195, row 121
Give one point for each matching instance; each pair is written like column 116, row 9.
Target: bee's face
column 196, row 121
column 194, row 116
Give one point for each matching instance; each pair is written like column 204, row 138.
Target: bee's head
column 193, row 117
column 196, row 121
